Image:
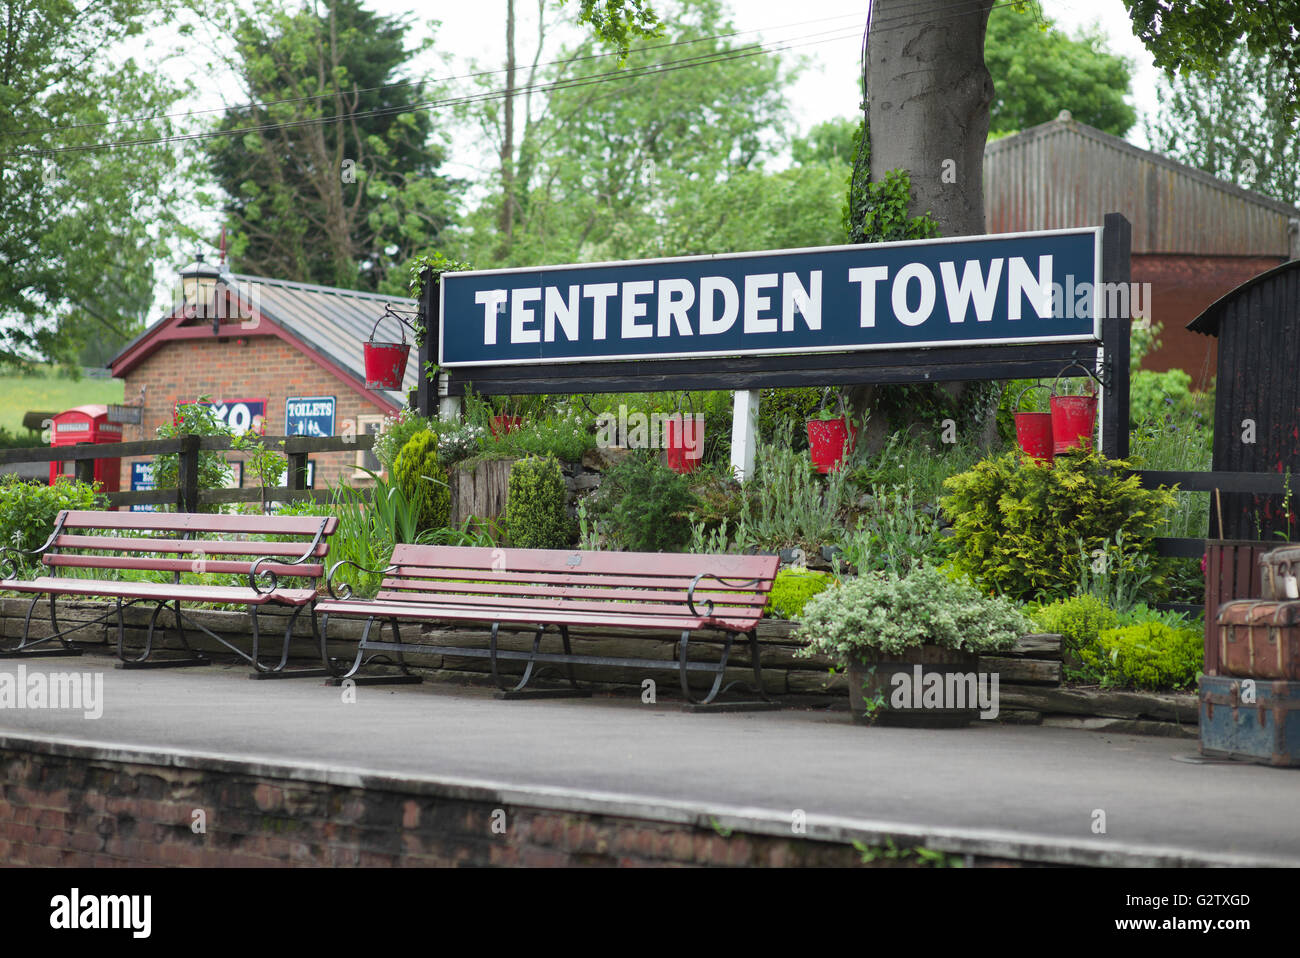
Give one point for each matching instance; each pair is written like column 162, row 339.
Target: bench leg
column 707, row 704
column 27, row 647
column 280, row 669
column 518, row 692
column 405, row 677
column 145, row 659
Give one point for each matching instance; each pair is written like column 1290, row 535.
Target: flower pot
column 684, row 442
column 829, row 440
column 909, row 703
column 385, row 364
column 503, row 424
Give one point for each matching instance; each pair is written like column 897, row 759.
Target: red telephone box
column 87, row 425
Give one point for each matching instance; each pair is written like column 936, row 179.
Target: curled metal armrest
column 310, row 553
column 11, row 563
column 345, row 589
column 729, row 583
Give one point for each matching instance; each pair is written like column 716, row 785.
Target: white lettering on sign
column 766, row 303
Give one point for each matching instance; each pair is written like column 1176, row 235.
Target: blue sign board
column 142, row 478
column 982, row 290
column 309, row 416
column 241, row 415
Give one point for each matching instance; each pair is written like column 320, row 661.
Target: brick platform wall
column 263, row 368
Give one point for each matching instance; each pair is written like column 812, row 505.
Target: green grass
column 48, row 391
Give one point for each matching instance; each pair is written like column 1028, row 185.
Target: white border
column 780, row 350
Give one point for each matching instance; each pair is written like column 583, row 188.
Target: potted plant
column 830, row 438
column 910, row 645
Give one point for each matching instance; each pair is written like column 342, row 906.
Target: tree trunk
column 507, row 221
column 928, row 97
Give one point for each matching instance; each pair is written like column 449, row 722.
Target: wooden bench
column 114, row 542
column 719, row 596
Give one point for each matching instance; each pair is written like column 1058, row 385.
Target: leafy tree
column 599, row 165
column 1234, row 122
column 83, row 226
column 1038, row 71
column 342, row 186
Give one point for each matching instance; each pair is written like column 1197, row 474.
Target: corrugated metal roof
column 334, row 322
column 1068, row 174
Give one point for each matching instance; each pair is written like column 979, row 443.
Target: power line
column 408, row 83
column 624, row 75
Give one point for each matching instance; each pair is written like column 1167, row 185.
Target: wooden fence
column 187, row 496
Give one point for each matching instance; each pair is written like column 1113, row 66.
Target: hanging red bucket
column 684, row 442
column 829, row 440
column 1034, row 430
column 1073, row 418
column 386, row 362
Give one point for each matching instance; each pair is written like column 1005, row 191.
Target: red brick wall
column 1181, row 289
column 264, row 367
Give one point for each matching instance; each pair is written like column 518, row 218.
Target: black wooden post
column 1116, row 245
column 297, row 478
column 187, row 475
column 84, row 469
column 426, row 393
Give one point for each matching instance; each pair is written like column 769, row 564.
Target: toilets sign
column 968, row 291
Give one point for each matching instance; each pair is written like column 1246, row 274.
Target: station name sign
column 981, row 290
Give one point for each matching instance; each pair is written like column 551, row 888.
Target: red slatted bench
column 719, row 596
column 110, row 542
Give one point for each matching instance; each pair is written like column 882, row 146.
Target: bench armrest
column 731, row 583
column 345, row 589
column 310, row 553
column 11, row 557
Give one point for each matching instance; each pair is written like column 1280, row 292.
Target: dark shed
column 1257, row 399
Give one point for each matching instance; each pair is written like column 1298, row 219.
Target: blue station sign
column 982, row 290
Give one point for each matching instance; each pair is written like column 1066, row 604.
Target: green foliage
column 887, row 613
column 193, row 419
column 786, row 503
column 921, row 857
column 645, row 506
column 536, row 516
column 620, row 22
column 784, row 412
column 1018, row 528
column 423, row 481
column 1038, row 70
column 72, row 216
column 895, row 535
column 1149, row 655
column 881, row 212
column 396, row 431
column 792, row 590
column 28, row 510
column 1152, row 395
column 1078, row 620
column 337, row 180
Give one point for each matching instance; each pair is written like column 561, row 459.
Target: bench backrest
column 646, row 584
column 167, row 542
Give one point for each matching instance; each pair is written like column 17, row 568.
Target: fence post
column 297, row 478
column 187, row 475
column 84, row 469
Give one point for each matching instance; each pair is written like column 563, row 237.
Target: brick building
column 256, row 345
column 1195, row 237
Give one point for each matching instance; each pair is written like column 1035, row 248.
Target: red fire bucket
column 1034, row 430
column 386, row 362
column 829, row 440
column 684, row 442
column 1073, row 419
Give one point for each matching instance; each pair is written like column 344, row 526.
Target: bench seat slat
column 399, row 610
column 290, row 550
column 676, row 593
column 158, row 591
column 199, row 522
column 215, row 566
column 549, row 603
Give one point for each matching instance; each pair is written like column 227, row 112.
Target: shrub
column 1150, row 655
column 395, row 432
column 423, row 481
column 28, row 510
column 645, row 506
column 1078, row 620
column 788, row 504
column 1153, row 395
column 886, row 613
column 1018, row 528
column 195, row 419
column 536, row 517
column 792, row 590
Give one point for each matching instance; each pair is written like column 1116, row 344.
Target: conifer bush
column 536, row 517
column 423, row 481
